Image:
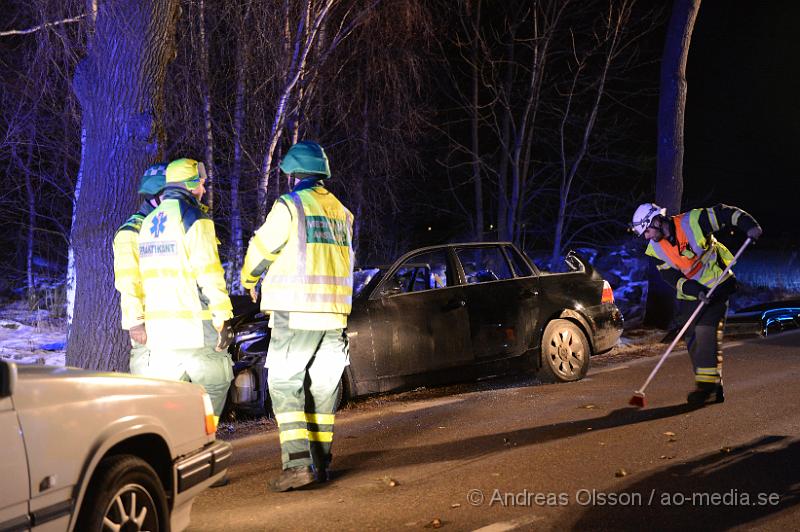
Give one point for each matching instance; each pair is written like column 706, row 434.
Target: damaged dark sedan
column 452, row 313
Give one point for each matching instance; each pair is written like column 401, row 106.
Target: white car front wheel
column 124, row 494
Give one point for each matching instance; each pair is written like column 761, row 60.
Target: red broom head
column 637, row 400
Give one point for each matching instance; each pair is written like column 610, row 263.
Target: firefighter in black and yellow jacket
column 185, row 298
column 305, row 248
column 692, row 260
column 127, row 279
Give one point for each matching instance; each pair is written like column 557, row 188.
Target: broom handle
column 693, row 316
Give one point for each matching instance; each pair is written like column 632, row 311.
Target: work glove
column 138, row 334
column 703, row 297
column 754, row 233
column 224, row 336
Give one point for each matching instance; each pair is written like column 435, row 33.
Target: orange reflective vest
column 698, row 256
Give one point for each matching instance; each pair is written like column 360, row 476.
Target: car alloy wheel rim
column 566, row 354
column 131, row 510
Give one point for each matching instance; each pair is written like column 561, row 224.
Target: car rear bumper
column 607, row 324
column 210, row 461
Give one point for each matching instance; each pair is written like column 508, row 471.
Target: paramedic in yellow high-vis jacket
column 305, row 248
column 185, row 298
column 127, row 279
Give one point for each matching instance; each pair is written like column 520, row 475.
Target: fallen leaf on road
column 589, row 406
column 620, row 473
column 725, row 450
column 436, row 523
column 602, row 443
column 455, row 505
column 670, row 434
column 389, row 481
column 588, row 428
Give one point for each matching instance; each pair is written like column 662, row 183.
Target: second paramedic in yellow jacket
column 185, row 298
column 127, row 279
column 305, row 248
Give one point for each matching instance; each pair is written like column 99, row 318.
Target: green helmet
column 153, row 180
column 306, row 157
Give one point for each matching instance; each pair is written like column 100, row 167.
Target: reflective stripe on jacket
column 313, row 272
column 127, row 279
column 696, row 255
column 182, row 277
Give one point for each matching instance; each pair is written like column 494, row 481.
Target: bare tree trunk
column 475, row 124
column 569, row 175
column 236, row 253
column 119, row 85
column 672, row 105
column 72, row 276
column 301, row 49
column 209, row 134
column 503, row 230
column 31, row 239
column 660, row 309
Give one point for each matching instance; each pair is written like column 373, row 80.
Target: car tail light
column 608, row 293
column 211, row 419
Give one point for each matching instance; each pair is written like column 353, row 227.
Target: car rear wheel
column 565, row 352
column 342, row 394
column 124, row 494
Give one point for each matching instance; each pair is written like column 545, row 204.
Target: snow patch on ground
column 31, row 337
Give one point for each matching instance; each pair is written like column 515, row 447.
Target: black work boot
column 292, row 478
column 704, row 393
column 322, row 472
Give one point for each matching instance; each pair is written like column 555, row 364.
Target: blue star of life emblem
column 158, row 225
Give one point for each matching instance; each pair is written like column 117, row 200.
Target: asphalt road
column 520, row 456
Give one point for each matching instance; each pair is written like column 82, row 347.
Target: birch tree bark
column 206, row 88
column 615, row 24
column 119, row 85
column 236, row 248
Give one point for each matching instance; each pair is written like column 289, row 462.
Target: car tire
column 342, row 394
column 126, row 491
column 565, row 352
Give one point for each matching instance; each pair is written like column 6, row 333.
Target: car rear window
column 484, row 264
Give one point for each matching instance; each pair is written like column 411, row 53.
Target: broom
column 638, row 396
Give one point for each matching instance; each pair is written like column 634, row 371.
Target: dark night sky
column 742, row 116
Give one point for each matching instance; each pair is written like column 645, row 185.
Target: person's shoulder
column 133, row 224
column 191, row 213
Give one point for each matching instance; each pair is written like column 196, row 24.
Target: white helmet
column 644, row 215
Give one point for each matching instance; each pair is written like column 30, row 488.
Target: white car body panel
column 60, row 423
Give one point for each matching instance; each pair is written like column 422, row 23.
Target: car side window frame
column 451, row 271
column 463, row 273
column 511, row 252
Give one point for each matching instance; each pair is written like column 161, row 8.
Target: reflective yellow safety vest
column 182, row 278
column 314, row 270
column 698, row 256
column 127, row 279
